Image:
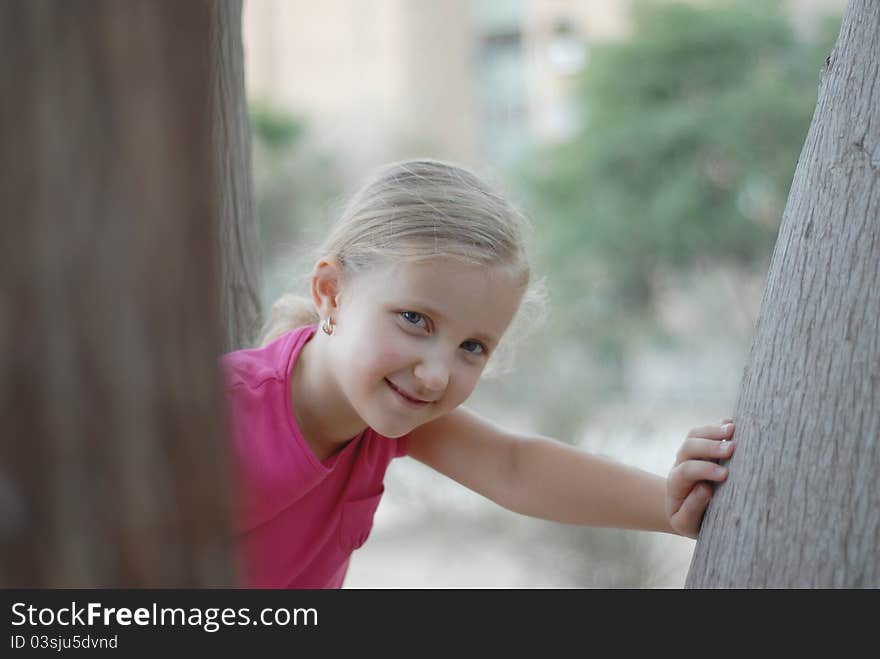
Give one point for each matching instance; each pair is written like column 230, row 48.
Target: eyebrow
column 485, row 338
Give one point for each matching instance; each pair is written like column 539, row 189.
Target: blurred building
column 469, row 80
column 381, row 79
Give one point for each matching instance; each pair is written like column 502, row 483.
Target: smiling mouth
column 409, row 399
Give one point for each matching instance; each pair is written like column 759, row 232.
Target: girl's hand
column 688, row 487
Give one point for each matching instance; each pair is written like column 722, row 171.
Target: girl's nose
column 432, row 375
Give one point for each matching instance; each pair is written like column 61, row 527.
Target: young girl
column 410, row 298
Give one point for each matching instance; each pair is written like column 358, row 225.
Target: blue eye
column 475, row 349
column 413, row 317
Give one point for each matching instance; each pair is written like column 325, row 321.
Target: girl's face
column 412, row 339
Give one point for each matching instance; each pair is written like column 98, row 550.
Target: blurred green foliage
column 690, row 133
column 275, row 129
column 294, row 185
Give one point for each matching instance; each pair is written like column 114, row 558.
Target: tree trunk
column 238, row 247
column 113, row 467
column 801, row 506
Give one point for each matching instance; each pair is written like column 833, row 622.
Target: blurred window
column 501, row 78
column 567, row 51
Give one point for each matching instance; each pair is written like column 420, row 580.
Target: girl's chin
column 394, row 432
column 397, row 435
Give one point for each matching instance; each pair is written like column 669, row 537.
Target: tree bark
column 113, row 467
column 801, row 506
column 238, row 239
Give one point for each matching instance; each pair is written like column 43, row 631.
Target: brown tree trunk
column 801, row 507
column 113, row 467
column 238, row 240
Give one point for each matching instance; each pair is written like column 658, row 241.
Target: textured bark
column 238, row 247
column 801, row 506
column 113, row 464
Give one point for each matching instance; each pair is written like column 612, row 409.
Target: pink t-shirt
column 297, row 519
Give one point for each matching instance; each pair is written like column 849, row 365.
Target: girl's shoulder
column 253, row 366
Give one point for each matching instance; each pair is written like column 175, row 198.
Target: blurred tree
column 240, row 262
column 690, row 134
column 113, row 468
column 801, row 508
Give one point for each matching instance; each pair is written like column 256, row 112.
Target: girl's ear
column 326, row 285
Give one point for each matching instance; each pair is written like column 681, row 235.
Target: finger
column 683, row 477
column 717, row 431
column 699, row 448
column 692, row 509
column 726, row 419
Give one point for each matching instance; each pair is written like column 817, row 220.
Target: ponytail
column 288, row 312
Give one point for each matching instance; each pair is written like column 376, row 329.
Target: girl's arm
column 544, row 478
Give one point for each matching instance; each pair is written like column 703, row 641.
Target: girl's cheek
column 388, row 358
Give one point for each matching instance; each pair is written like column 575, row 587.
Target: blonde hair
column 414, row 210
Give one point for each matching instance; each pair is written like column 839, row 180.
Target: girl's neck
column 324, row 417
